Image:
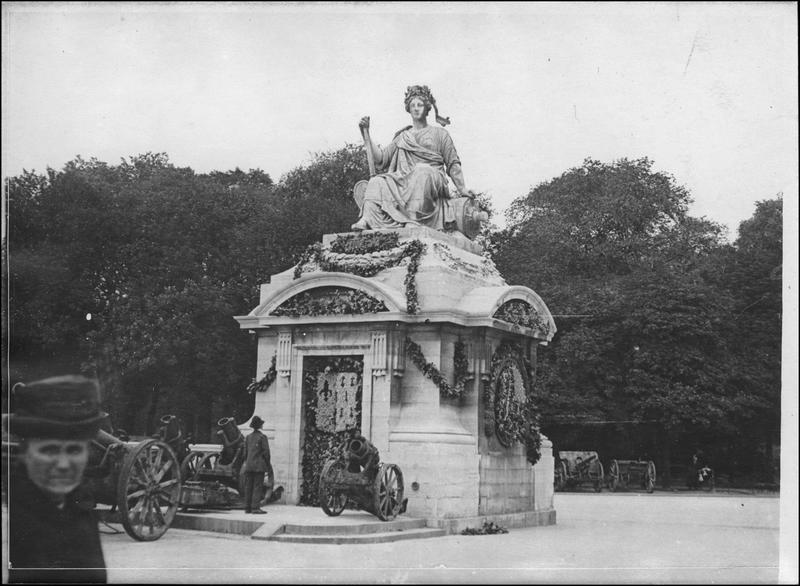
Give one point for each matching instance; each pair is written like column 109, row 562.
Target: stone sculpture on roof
column 411, row 186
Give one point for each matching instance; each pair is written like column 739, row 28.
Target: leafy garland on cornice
column 522, row 424
column 366, row 255
column 460, row 369
column 522, row 313
column 269, row 378
column 337, row 301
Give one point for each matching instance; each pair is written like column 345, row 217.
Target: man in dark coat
column 256, row 464
column 53, row 534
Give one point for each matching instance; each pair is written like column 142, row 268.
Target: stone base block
column 507, row 520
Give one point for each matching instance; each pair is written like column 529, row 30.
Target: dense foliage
column 659, row 320
column 133, row 272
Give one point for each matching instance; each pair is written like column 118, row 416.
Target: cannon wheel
column 190, row 466
column 598, row 482
column 560, row 475
column 148, row 490
column 613, row 476
column 388, row 492
column 650, row 477
column 331, row 501
column 206, row 464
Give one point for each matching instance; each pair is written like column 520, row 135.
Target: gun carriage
column 357, row 475
column 626, row 473
column 213, row 473
column 140, row 479
column 574, row 468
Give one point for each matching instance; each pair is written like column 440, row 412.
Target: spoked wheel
column 613, row 476
column 650, row 478
column 206, row 465
column 149, row 490
column 388, row 492
column 190, row 466
column 332, row 501
column 560, row 475
column 598, row 481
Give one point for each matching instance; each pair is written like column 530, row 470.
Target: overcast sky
column 707, row 91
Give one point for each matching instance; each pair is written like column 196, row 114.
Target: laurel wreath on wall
column 366, row 255
column 460, row 369
column 521, row 423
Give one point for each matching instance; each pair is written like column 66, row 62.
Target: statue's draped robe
column 412, row 186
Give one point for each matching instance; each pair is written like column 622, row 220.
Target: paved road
column 599, row 538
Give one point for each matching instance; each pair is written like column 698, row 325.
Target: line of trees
column 132, row 272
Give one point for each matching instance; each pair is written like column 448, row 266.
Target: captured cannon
column 211, row 472
column 357, row 475
column 626, row 473
column 575, row 468
column 139, row 479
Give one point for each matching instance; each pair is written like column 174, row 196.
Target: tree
column 645, row 322
column 134, row 272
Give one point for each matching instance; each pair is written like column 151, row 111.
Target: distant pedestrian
column 53, row 534
column 256, row 463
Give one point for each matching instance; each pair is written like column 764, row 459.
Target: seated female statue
column 411, row 187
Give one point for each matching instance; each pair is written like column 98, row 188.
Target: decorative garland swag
column 460, row 369
column 366, row 255
column 262, row 385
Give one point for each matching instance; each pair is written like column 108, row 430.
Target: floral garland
column 522, row 314
column 366, row 255
column 336, row 301
column 269, row 378
column 365, row 243
column 460, row 366
column 521, row 424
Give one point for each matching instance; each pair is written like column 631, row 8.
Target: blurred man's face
column 56, row 465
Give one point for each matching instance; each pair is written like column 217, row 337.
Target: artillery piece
column 624, row 473
column 357, row 475
column 140, row 479
column 574, row 468
column 209, row 470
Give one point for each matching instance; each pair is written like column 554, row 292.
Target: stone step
column 355, row 529
column 356, row 538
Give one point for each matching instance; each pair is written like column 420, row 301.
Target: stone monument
column 404, row 332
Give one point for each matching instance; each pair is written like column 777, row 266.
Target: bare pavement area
column 598, row 538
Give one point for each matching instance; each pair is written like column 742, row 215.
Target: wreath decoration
column 460, row 369
column 366, row 255
column 521, row 313
column 269, row 377
column 330, row 301
column 506, row 416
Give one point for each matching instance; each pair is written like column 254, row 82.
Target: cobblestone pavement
column 599, row 538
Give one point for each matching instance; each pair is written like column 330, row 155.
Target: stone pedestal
column 454, row 465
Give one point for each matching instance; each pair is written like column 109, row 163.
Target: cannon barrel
column 105, row 439
column 359, row 452
column 228, row 431
column 585, row 463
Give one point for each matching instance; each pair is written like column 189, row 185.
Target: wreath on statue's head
column 510, row 413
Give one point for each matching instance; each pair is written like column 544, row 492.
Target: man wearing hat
column 256, row 464
column 53, row 535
